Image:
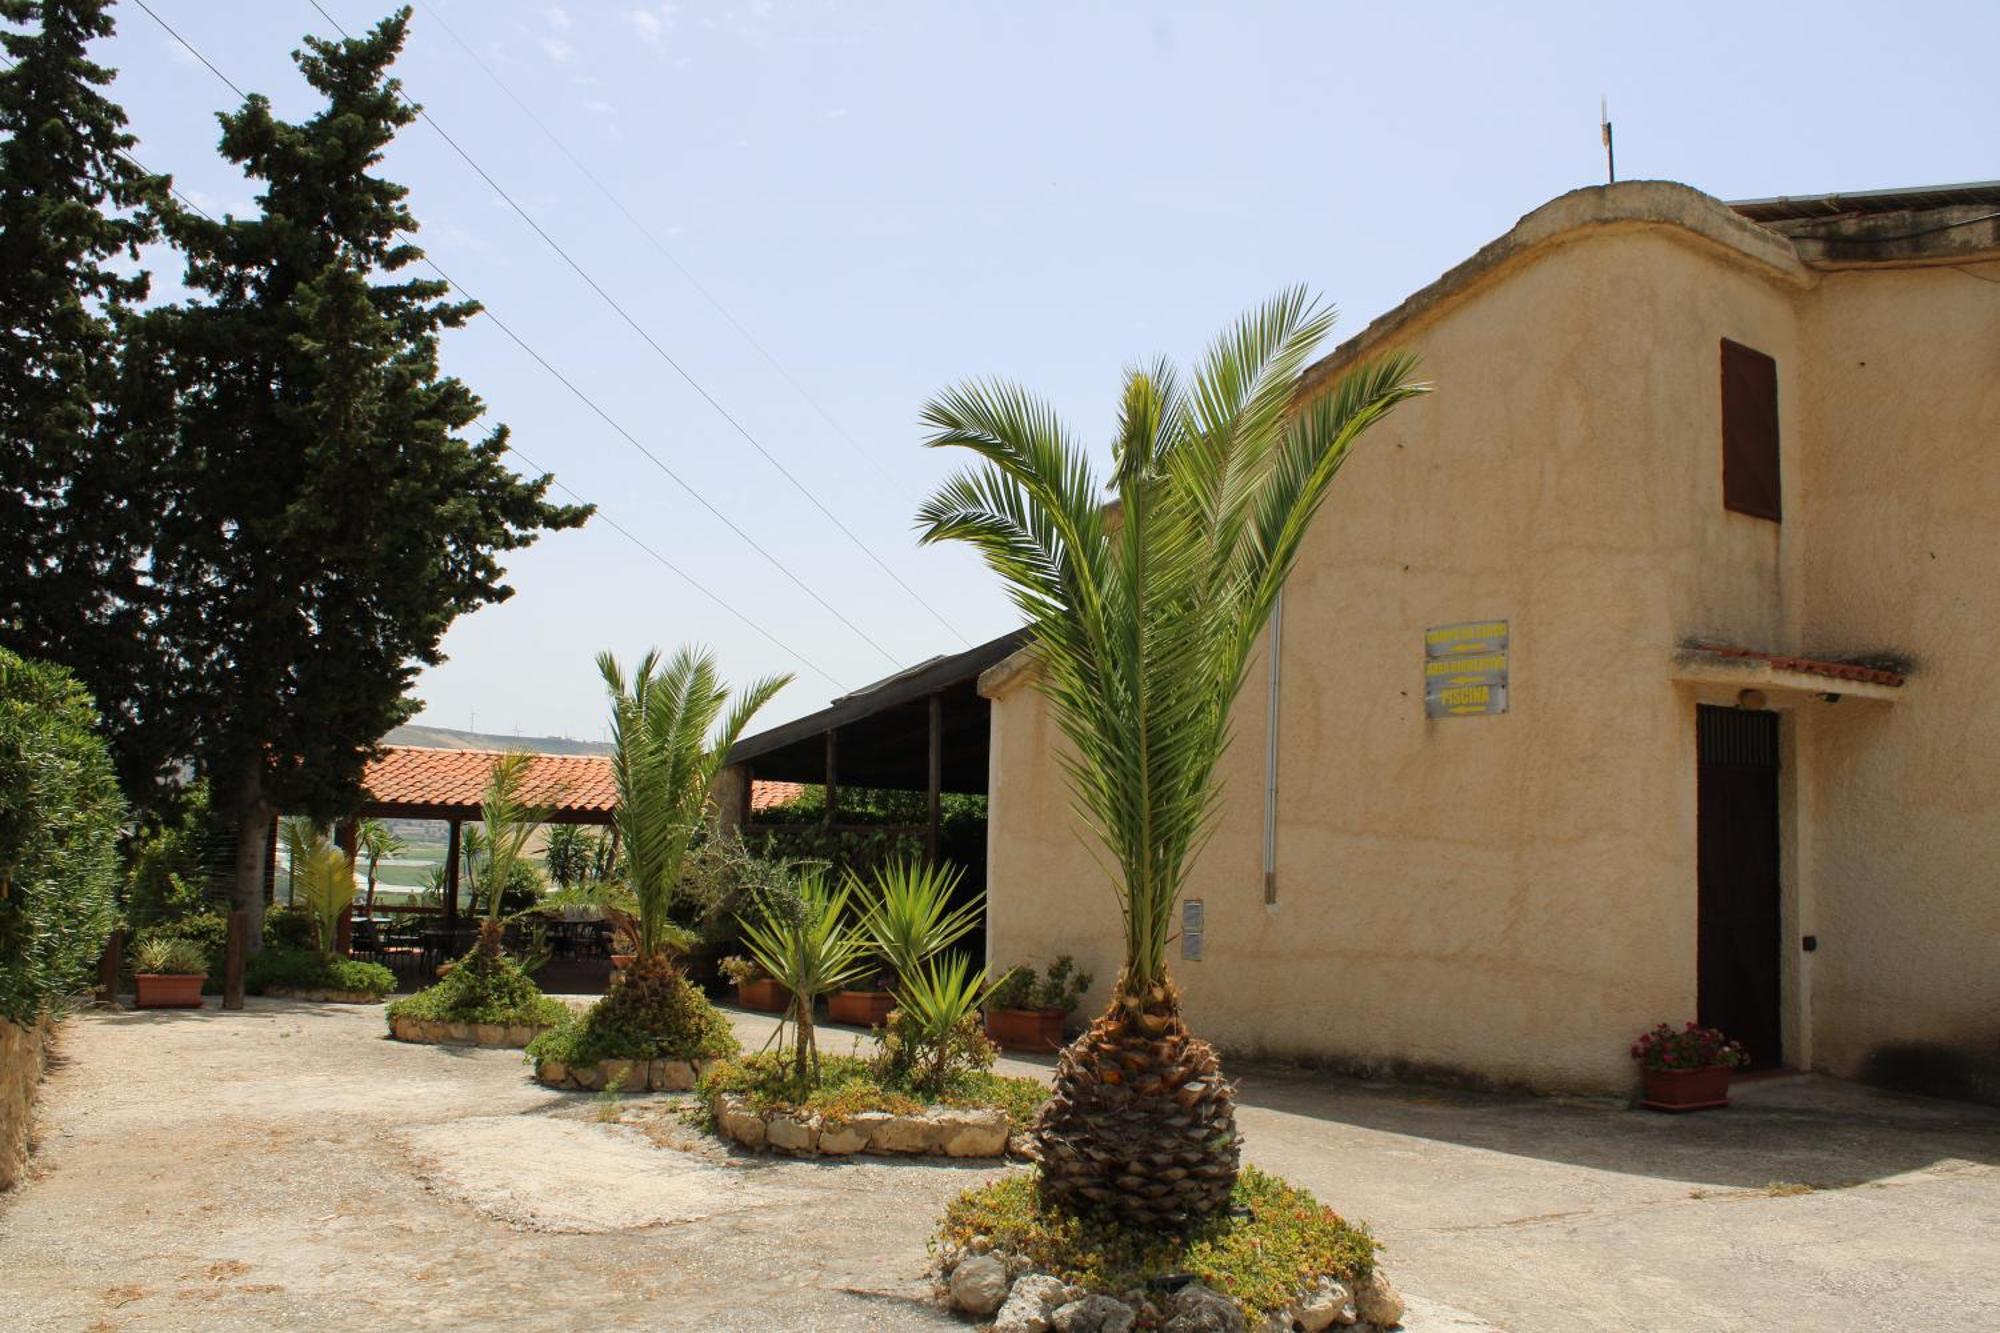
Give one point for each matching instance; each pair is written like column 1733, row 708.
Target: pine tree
column 328, row 522
column 75, row 485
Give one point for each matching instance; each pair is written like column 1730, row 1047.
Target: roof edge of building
column 1592, row 210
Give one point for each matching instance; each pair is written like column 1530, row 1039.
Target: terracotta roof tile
column 1811, row 666
column 569, row 784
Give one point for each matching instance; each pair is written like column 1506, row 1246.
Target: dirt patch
column 549, row 1173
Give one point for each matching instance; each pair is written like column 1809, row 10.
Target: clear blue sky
column 893, row 197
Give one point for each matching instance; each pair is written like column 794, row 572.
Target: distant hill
column 445, row 738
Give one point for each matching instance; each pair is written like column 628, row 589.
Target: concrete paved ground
column 289, row 1167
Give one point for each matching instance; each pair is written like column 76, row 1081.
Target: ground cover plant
column 850, row 1084
column 277, row 968
column 1274, row 1240
column 1143, row 615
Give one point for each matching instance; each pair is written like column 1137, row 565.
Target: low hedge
column 1278, row 1239
column 308, row 969
column 850, row 1084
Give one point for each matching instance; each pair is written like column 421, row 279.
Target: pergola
column 924, row 729
column 412, row 782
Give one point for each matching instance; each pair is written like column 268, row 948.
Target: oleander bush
column 59, row 818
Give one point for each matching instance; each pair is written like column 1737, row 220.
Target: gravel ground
column 289, row 1166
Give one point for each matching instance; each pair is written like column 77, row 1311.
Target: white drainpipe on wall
column 1275, row 646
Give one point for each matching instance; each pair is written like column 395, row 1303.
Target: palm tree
column 506, row 822
column 666, row 751
column 378, row 842
column 1144, row 614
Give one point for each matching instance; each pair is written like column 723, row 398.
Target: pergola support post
column 451, row 859
column 832, row 774
column 934, row 788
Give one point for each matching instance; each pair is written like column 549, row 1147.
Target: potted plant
column 1686, row 1070
column 1028, row 1013
column 167, row 973
column 754, row 987
column 863, row 1008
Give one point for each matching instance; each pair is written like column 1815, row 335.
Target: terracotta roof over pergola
column 412, row 782
column 416, row 782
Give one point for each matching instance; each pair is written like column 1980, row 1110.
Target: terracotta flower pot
column 862, row 1008
column 160, row 990
column 1686, row 1089
column 1026, row 1029
column 764, row 994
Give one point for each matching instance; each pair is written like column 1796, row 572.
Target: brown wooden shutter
column 1749, row 432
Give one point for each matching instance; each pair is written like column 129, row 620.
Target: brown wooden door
column 1738, row 909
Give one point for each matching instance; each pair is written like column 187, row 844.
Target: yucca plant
column 909, row 917
column 378, row 842
column 810, row 950
column 666, row 751
column 1144, row 614
column 936, row 1026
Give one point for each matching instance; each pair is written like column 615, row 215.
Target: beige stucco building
column 1749, row 763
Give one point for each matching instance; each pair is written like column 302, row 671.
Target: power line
column 555, row 481
column 589, row 402
column 639, row 225
column 663, row 354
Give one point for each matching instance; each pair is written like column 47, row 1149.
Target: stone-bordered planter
column 1005, row 1289
column 860, row 1008
column 624, row 1075
column 940, row 1131
column 323, row 995
column 440, row 1032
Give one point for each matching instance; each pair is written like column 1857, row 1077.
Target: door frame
column 1794, row 855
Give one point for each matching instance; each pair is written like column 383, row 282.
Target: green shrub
column 171, row 956
column 1276, row 1240
column 179, row 868
column 210, row 933
column 652, row 1013
column 59, row 818
column 482, row 988
column 288, row 927
column 1061, row 987
column 308, row 969
column 849, row 1085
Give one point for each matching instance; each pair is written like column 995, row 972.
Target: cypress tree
column 328, row 520
column 77, row 487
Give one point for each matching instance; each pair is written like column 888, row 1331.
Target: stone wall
column 21, row 1054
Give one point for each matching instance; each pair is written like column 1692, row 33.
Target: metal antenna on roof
column 1604, row 125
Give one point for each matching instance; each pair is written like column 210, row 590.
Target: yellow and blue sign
column 1465, row 669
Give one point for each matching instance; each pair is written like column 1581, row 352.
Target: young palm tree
column 506, row 822
column 664, row 761
column 1144, row 615
column 378, row 843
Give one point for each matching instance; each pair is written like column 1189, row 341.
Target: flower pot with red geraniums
column 754, row 987
column 1027, row 1012
column 1688, row 1069
column 167, row 973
